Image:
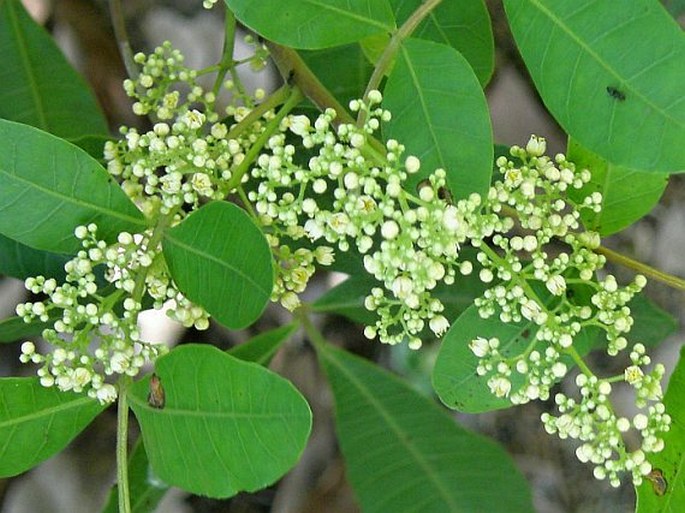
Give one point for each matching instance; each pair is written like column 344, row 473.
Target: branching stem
column 648, row 271
column 121, row 35
column 388, row 55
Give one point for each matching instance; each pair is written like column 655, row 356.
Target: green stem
column 573, row 353
column 620, row 259
column 157, row 234
column 388, row 55
column 314, row 335
column 121, row 35
column 294, row 70
column 272, row 101
column 253, row 153
column 651, row 272
column 122, row 446
column 227, row 56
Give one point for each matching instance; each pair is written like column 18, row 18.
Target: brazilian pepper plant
column 374, row 158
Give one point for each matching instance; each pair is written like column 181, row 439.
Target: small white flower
column 479, row 346
column 450, row 219
column 499, row 386
column 439, row 325
column 390, row 229
column 640, row 421
column 559, row 370
column 556, row 285
column 119, row 362
column 530, row 310
column 402, row 286
column 106, row 393
column 536, row 146
column 633, row 374
column 290, row 301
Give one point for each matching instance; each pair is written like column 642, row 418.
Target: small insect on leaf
column 156, row 397
column 616, row 93
column 659, row 483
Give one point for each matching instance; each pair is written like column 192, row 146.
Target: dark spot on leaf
column 616, row 93
column 526, row 333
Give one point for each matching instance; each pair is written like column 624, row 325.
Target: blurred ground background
column 78, row 480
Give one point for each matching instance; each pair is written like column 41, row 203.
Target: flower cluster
column 535, row 287
column 343, row 196
column 94, row 325
column 317, row 186
column 189, row 143
column 593, row 421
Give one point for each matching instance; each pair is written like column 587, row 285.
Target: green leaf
column 347, row 298
column 220, row 260
column 454, row 376
column 627, row 194
column 22, row 261
column 312, row 24
column 671, row 461
column 14, row 328
column 39, row 86
column 38, row 422
column 463, row 25
column 651, row 323
column 326, row 65
column 93, row 145
column 64, row 187
column 619, row 99
column 226, row 426
column 404, row 454
column 440, row 115
column 261, row 348
column 145, row 488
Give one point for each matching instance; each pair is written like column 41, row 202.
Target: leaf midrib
column 37, row 415
column 399, row 433
column 31, row 79
column 73, row 200
column 581, row 43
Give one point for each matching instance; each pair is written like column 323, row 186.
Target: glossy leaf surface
column 220, row 260
column 39, row 86
column 38, row 422
column 327, row 63
column 440, row 115
column 404, row 454
column 312, row 24
column 226, row 425
column 611, row 75
column 63, row 186
column 463, row 25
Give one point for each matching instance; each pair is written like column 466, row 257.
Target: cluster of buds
column 533, row 286
column 347, row 194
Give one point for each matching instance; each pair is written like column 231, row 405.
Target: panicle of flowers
column 533, row 279
column 343, row 195
column 188, row 156
column 91, row 338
